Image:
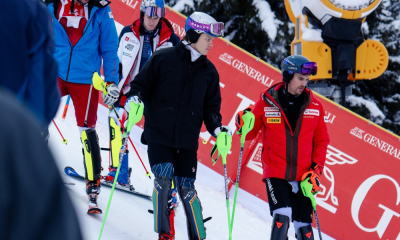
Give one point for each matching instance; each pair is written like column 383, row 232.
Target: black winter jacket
column 179, row 95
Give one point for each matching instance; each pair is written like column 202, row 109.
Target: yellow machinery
column 329, row 32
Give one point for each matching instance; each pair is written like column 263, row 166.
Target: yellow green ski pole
column 135, row 116
column 306, row 187
column 100, row 85
column 248, row 124
column 224, row 143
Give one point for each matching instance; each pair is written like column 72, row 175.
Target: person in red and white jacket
column 295, row 140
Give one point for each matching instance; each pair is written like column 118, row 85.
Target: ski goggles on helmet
column 216, row 29
column 155, row 12
column 309, row 68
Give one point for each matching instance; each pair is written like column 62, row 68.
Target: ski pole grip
column 248, row 125
column 306, row 188
column 98, row 83
column 224, row 144
column 135, row 115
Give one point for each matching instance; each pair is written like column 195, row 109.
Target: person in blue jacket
column 85, row 35
column 27, row 66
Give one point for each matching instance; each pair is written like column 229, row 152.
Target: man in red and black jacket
column 295, row 140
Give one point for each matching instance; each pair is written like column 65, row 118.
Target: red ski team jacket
column 288, row 153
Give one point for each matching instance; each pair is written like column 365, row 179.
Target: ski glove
column 314, row 175
column 239, row 119
column 226, row 129
column 112, row 94
column 135, row 99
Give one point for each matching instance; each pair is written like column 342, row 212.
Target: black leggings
column 184, row 161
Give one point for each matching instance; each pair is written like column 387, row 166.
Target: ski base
column 72, row 173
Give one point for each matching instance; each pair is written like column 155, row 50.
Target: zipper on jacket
column 69, row 63
column 179, row 104
column 291, row 157
column 72, row 48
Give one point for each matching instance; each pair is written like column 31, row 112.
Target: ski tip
column 95, row 211
column 70, row 171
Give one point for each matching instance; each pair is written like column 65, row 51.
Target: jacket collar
column 185, row 54
column 91, row 4
column 165, row 31
column 273, row 90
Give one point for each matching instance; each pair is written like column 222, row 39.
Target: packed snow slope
column 128, row 217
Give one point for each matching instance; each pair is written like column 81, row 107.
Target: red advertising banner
column 361, row 191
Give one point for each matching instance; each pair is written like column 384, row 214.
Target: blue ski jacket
column 99, row 42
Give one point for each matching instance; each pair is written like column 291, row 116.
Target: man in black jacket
column 180, row 89
column 34, row 203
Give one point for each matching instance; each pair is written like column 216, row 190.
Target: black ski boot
column 305, row 233
column 93, row 191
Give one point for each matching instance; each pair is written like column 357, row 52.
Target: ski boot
column 123, row 176
column 93, row 191
column 305, row 233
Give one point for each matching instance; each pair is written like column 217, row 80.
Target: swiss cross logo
column 126, row 38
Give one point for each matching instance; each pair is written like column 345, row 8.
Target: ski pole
column 306, row 187
column 119, row 119
column 248, row 124
column 65, row 141
column 134, row 117
column 100, row 85
column 224, row 143
column 66, row 108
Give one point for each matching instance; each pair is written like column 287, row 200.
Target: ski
column 72, row 173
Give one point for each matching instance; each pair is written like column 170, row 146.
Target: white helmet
column 198, row 23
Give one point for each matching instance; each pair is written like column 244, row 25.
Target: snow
column 353, row 4
column 308, row 34
column 128, row 217
column 372, row 107
column 267, row 17
column 395, row 59
column 180, row 5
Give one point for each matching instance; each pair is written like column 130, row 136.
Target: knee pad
column 161, row 192
column 184, row 182
column 91, row 154
column 163, row 169
column 115, row 141
column 305, row 233
column 280, row 226
column 193, row 210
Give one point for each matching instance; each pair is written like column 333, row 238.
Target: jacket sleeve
column 174, row 39
column 109, row 46
column 212, row 105
column 26, row 173
column 258, row 122
column 41, row 87
column 320, row 140
column 146, row 79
